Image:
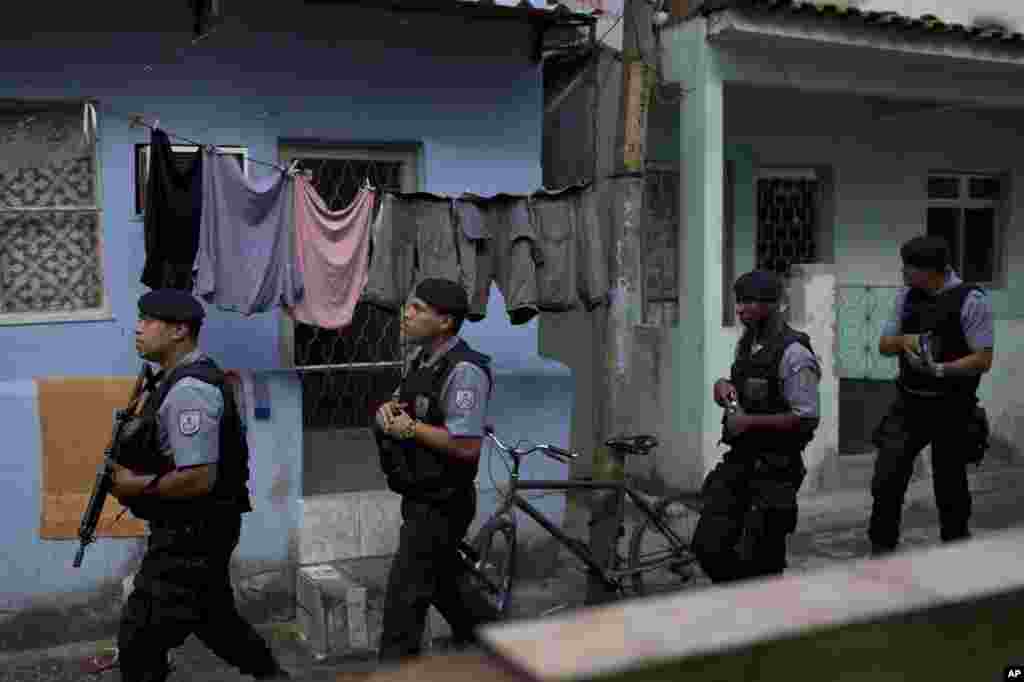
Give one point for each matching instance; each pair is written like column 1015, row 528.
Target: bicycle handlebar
column 552, row 451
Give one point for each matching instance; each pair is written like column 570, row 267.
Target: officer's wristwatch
column 940, row 371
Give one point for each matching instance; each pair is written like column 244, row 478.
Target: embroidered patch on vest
column 465, row 399
column 188, row 422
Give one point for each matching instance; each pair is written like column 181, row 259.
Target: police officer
column 430, row 436
column 942, row 331
column 772, row 396
column 184, row 467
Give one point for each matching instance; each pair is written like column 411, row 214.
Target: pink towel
column 333, row 249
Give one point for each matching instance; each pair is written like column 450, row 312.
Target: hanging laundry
column 174, row 200
column 417, row 238
column 442, row 249
column 570, row 239
column 393, row 261
column 333, row 249
column 469, row 219
column 246, row 260
column 507, row 255
column 592, row 275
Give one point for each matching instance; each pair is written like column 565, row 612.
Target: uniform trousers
column 427, row 571
column 184, row 587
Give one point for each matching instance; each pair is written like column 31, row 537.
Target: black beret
column 171, row 305
column 445, row 296
column 759, row 285
column 928, row 253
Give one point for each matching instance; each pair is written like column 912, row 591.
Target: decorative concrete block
column 332, row 610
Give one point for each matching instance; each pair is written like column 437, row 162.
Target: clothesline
column 139, row 120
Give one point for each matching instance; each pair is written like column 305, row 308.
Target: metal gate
column 347, row 372
column 661, row 247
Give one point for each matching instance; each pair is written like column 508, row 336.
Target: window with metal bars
column 661, row 247
column 788, row 207
column 51, row 237
column 347, row 372
column 965, row 210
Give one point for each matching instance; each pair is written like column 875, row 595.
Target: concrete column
column 697, row 358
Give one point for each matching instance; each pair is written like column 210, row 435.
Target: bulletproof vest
column 416, row 470
column 939, row 315
column 756, row 378
column 139, row 450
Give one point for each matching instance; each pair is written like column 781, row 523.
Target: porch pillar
column 700, row 348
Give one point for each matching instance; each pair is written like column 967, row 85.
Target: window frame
column 140, row 169
column 964, row 202
column 104, row 312
column 409, row 154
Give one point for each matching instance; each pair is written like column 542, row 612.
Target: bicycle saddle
column 633, row 445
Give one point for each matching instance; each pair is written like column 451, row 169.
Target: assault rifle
column 105, row 473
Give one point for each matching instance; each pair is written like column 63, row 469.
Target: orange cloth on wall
column 76, row 415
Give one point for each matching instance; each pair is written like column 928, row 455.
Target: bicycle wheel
column 656, row 561
column 495, row 546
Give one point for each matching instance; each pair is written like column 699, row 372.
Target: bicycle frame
column 622, row 491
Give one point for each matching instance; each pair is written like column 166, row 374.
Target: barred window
column 788, row 207
column 967, row 211
column 51, row 260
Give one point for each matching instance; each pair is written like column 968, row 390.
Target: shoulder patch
column 807, row 378
column 189, row 421
column 465, row 398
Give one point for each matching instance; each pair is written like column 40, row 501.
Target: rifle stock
column 104, row 475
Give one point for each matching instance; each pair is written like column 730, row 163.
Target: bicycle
column 659, row 556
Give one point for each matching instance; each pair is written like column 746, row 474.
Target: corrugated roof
column 925, row 24
column 539, row 10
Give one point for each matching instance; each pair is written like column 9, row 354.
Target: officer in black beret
column 430, row 435
column 772, row 403
column 183, row 467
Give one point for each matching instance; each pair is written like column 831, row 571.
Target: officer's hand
column 117, row 476
column 724, row 392
column 912, row 344
column 400, row 425
column 736, row 424
column 384, row 413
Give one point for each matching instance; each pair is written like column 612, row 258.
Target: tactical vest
column 756, row 378
column 939, row 315
column 139, row 450
column 413, row 469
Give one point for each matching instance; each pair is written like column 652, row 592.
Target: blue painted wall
column 315, row 73
column 310, row 73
